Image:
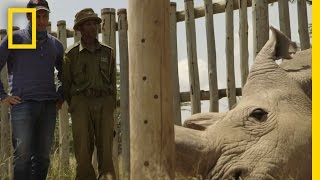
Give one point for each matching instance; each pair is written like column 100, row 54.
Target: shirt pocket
column 79, row 73
column 105, row 71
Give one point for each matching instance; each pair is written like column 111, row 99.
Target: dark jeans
column 33, row 124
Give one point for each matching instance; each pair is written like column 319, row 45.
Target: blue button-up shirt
column 31, row 71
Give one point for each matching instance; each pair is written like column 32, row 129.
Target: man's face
column 89, row 29
column 42, row 20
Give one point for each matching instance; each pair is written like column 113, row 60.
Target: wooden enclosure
column 141, row 88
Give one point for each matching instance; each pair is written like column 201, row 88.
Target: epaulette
column 103, row 44
column 72, row 47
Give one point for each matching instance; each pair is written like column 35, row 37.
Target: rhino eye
column 259, row 114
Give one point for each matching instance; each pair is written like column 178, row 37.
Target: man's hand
column 59, row 104
column 11, row 100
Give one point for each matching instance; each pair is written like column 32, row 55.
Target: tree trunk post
column 151, row 91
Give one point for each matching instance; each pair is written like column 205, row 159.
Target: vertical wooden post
column 62, row 32
column 5, row 124
column 124, row 157
column 6, row 145
column 76, row 36
column 284, row 17
column 108, row 27
column 3, row 33
column 212, row 57
column 151, row 91
column 174, row 61
column 108, row 30
column 260, row 20
column 231, row 85
column 243, row 38
column 192, row 57
column 303, row 24
column 49, row 27
column 63, row 113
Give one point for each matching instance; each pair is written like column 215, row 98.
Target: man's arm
column 58, row 66
column 113, row 75
column 66, row 78
column 4, row 55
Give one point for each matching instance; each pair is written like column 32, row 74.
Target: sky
column 66, row 10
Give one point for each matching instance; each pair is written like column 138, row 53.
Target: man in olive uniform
column 88, row 72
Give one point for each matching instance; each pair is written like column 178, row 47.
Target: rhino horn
column 203, row 121
column 192, row 148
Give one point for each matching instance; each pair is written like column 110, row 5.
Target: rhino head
column 267, row 135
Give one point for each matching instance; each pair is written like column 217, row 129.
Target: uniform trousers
column 92, row 124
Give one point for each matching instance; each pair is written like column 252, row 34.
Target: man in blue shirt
column 34, row 98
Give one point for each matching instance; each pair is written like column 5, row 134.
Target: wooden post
column 5, row 124
column 2, row 34
column 124, row 157
column 192, row 57
column 7, row 150
column 63, row 113
column 76, row 36
column 174, row 61
column 212, row 58
column 260, row 20
column 108, row 30
column 62, row 32
column 108, row 27
column 243, row 38
column 231, row 85
column 49, row 27
column 284, row 17
column 151, row 91
column 303, row 24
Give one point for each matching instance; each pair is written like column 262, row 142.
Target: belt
column 93, row 93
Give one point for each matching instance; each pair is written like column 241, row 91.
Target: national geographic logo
column 11, row 11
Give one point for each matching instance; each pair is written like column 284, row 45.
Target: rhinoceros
column 267, row 135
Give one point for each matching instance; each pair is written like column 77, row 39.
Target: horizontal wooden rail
column 205, row 95
column 70, row 32
column 218, row 7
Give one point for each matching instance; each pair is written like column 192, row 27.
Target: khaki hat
column 84, row 15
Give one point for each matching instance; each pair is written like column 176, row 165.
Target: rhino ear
column 299, row 70
column 285, row 47
column 278, row 46
column 202, row 121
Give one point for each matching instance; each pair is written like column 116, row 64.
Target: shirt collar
column 83, row 46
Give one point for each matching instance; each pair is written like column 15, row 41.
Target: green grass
column 68, row 172
column 4, row 161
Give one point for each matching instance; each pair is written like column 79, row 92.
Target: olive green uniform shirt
column 88, row 69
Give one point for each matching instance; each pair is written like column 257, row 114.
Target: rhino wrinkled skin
column 267, row 135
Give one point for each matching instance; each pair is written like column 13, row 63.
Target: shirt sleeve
column 58, row 66
column 4, row 54
column 66, row 78
column 114, row 75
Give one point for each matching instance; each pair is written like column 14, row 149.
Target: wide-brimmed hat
column 85, row 15
column 38, row 4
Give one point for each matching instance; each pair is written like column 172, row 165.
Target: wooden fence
column 189, row 15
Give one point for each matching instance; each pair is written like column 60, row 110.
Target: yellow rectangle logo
column 11, row 11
